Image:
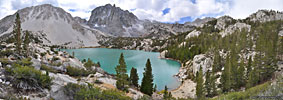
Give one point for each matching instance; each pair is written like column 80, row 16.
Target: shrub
column 4, row 61
column 6, row 53
column 46, row 68
column 32, row 77
column 82, row 92
column 25, row 62
column 72, row 71
column 42, row 54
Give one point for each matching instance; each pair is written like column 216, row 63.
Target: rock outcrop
column 266, row 15
column 201, row 61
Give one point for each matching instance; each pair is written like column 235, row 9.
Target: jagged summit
column 114, row 20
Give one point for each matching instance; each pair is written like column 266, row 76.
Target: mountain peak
column 266, row 15
column 112, row 19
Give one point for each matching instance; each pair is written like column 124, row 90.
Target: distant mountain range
column 57, row 27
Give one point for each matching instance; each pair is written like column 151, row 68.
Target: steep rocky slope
column 53, row 25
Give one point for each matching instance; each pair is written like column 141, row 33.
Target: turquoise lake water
column 163, row 69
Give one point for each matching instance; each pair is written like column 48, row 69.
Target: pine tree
column 134, row 78
column 226, row 76
column 208, row 83
column 165, row 94
column 98, row 63
column 121, row 73
column 199, row 87
column 17, row 33
column 26, row 42
column 249, row 67
column 88, row 64
column 147, row 81
column 241, row 75
column 155, row 88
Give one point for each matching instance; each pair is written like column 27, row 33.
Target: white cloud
column 243, row 8
column 152, row 9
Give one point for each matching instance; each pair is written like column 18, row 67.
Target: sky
column 169, row 11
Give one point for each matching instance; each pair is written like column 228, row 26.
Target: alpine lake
column 163, row 69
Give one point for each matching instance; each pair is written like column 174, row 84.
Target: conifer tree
column 226, row 76
column 26, row 42
column 249, row 67
column 134, row 78
column 199, row 87
column 208, row 83
column 147, row 81
column 241, row 75
column 17, row 33
column 88, row 64
column 165, row 94
column 155, row 88
column 121, row 73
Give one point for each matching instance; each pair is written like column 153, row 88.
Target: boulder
column 36, row 63
column 162, row 54
column 59, row 81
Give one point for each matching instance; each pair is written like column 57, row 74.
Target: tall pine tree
column 17, row 33
column 147, row 80
column 208, row 83
column 226, row 76
column 134, row 78
column 199, row 87
column 121, row 73
column 26, row 42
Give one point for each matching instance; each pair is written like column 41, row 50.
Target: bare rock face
column 80, row 20
column 53, row 25
column 223, row 21
column 199, row 22
column 265, row 15
column 232, row 28
column 114, row 20
column 201, row 61
column 193, row 34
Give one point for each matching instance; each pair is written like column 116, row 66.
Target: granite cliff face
column 115, row 21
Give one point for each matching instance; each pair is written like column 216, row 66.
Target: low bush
column 30, row 77
column 46, row 68
column 82, row 92
column 6, row 53
column 72, row 71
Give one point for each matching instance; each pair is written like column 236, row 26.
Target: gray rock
column 112, row 20
column 201, row 61
column 36, row 63
column 199, row 22
column 59, row 81
column 281, row 33
column 266, row 15
column 53, row 25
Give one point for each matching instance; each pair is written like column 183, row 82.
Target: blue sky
column 168, row 11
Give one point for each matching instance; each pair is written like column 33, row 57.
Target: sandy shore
column 187, row 89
